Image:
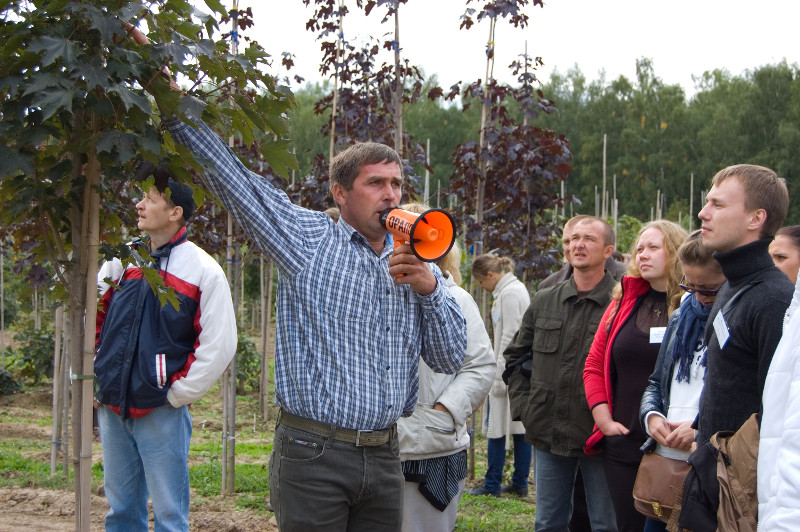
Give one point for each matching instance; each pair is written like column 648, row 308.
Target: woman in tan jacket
column 511, row 299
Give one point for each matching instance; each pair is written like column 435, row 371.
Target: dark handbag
column 659, row 483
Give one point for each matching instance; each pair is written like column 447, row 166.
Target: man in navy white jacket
column 153, row 360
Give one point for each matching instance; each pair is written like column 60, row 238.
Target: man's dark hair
column 173, row 191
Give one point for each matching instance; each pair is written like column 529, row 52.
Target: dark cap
column 180, row 194
column 183, row 197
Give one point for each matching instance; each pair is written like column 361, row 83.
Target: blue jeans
column 496, row 460
column 146, row 455
column 651, row 525
column 555, row 479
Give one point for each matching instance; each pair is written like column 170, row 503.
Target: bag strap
column 736, row 296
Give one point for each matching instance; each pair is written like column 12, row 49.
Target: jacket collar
column 504, row 281
column 634, row 286
column 599, row 294
column 177, row 240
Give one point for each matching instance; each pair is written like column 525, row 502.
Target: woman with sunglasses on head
column 623, row 355
column 672, row 398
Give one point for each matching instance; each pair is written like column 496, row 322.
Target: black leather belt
column 361, row 438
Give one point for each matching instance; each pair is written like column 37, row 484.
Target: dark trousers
column 580, row 512
column 317, row 483
column 620, row 477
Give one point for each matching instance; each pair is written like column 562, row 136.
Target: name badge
column 657, row 334
column 721, row 328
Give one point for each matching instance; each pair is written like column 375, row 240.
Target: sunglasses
column 698, row 291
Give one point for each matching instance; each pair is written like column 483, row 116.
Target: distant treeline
column 657, row 137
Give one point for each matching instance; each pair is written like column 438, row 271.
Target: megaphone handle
column 397, row 244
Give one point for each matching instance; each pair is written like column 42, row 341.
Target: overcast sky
column 682, row 37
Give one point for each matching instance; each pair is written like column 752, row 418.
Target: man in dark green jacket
column 547, row 392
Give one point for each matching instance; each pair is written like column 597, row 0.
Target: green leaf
column 108, row 26
column 40, row 81
column 130, row 10
column 14, row 163
column 255, row 53
column 170, row 51
column 203, row 47
column 191, row 105
column 12, row 83
column 124, row 143
column 36, row 135
column 94, row 76
column 278, row 156
column 56, row 48
column 54, row 100
column 130, row 98
column 201, row 15
column 244, row 62
column 150, row 145
column 216, row 5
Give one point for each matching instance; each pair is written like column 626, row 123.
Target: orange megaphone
column 431, row 234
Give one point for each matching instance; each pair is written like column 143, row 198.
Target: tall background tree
column 74, row 118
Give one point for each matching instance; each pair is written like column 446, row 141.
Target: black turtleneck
column 736, row 371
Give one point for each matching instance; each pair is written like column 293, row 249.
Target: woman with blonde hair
column 623, row 355
column 671, row 400
column 511, row 299
column 434, row 439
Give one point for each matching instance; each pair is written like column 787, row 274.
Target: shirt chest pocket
column 547, row 333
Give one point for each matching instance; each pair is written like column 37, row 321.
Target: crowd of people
column 381, row 358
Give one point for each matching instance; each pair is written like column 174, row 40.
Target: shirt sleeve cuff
column 173, row 123
column 647, row 420
column 437, row 298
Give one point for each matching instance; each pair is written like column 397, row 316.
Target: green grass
column 213, row 448
column 252, row 483
column 17, row 470
column 25, row 462
column 492, row 513
column 7, row 417
column 23, row 446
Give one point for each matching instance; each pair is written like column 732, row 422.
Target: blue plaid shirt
column 348, row 339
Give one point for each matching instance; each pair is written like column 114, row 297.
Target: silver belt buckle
column 358, row 436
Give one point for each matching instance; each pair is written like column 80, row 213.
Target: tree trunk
column 229, row 387
column 266, row 326
column 76, row 278
column 65, row 392
column 398, row 79
column 86, row 376
column 335, row 103
column 57, row 384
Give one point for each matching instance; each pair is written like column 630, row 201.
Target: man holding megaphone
column 353, row 318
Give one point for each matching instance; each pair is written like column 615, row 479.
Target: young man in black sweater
column 746, row 205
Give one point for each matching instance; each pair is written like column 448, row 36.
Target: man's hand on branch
column 141, row 39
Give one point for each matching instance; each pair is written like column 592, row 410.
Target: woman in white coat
column 434, row 439
column 511, row 299
column 779, row 449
